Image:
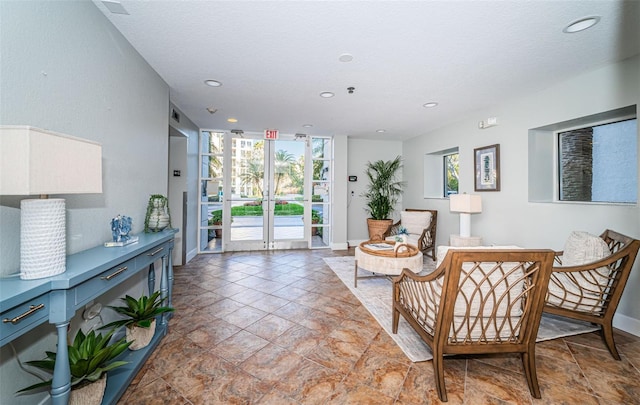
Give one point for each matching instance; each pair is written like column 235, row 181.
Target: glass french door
column 273, row 194
column 268, row 200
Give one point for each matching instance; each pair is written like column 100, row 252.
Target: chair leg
column 607, row 335
column 438, row 370
column 529, row 364
column 396, row 318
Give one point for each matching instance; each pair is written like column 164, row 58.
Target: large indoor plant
column 140, row 318
column 382, row 193
column 90, row 357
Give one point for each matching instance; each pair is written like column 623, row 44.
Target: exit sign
column 270, row 134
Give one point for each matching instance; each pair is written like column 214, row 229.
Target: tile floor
column 281, row 328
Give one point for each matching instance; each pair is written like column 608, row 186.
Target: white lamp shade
column 34, row 161
column 466, row 203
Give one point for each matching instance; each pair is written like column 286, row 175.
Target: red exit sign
column 270, row 134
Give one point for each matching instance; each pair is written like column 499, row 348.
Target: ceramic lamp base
column 42, row 238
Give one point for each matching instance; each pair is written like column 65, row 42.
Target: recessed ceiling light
column 581, row 24
column 326, row 94
column 232, row 120
column 307, row 126
column 430, row 104
column 380, row 131
column 212, row 83
column 345, row 57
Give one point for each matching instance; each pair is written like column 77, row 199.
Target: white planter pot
column 141, row 337
column 90, row 394
column 158, row 218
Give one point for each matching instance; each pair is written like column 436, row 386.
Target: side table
column 465, row 241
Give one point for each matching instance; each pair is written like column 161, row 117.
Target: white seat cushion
column 471, row 299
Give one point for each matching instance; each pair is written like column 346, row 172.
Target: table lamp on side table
column 38, row 162
column 465, row 204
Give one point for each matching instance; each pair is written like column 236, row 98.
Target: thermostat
column 353, row 178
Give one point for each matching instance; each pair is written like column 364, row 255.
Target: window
column 441, row 173
column 451, row 170
column 591, row 159
column 599, row 163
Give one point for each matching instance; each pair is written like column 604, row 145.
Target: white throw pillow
column 415, row 221
column 581, row 248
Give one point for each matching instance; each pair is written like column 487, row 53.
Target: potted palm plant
column 90, row 357
column 382, row 194
column 140, row 318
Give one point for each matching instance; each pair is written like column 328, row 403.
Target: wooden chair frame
column 438, row 306
column 427, row 240
column 597, row 298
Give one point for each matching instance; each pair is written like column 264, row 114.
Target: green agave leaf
column 47, row 365
column 95, row 375
column 113, row 365
column 145, row 323
column 74, row 354
column 79, row 368
column 34, row 386
column 117, row 324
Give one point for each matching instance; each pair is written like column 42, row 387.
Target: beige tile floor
column 281, row 328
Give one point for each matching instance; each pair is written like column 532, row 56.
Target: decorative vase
column 158, row 218
column 90, row 394
column 141, row 337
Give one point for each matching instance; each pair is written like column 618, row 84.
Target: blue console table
column 25, row 304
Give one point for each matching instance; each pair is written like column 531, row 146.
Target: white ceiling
column 274, row 58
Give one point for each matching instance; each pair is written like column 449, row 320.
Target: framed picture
column 487, row 168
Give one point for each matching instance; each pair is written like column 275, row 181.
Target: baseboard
column 627, row 324
column 190, row 255
column 339, row 246
column 356, row 242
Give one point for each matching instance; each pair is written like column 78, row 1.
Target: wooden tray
column 410, row 251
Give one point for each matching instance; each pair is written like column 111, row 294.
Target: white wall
column 508, row 217
column 340, row 198
column 362, row 151
column 65, row 68
column 190, row 178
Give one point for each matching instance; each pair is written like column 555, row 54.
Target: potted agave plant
column 90, row 357
column 140, row 318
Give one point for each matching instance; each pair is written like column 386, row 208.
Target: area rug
column 375, row 295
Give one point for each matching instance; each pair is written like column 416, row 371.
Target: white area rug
column 376, row 295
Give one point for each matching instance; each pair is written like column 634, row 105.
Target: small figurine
column 120, row 228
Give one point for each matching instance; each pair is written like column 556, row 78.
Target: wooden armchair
column 422, row 229
column 591, row 292
column 477, row 301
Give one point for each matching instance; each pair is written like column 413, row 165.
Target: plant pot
column 158, row 218
column 377, row 227
column 141, row 337
column 90, row 394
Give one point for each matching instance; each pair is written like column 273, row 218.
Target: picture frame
column 487, row 168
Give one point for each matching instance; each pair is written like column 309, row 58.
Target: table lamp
column 38, row 162
column 465, row 204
